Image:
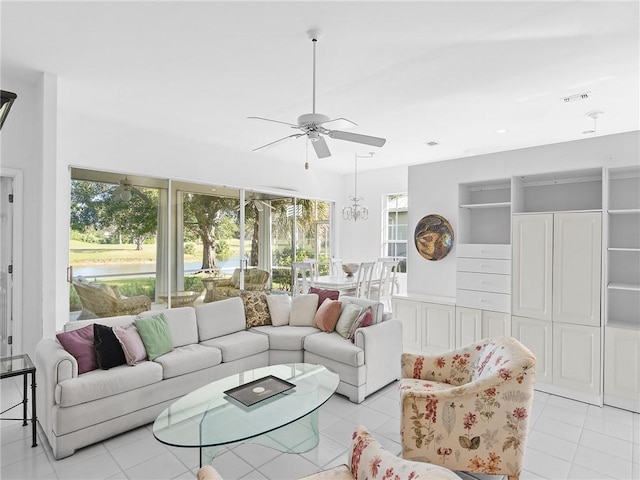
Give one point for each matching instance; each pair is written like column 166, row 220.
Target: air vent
column 577, row 97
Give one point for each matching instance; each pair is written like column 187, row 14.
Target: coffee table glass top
column 208, row 417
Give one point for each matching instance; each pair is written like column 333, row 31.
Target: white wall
column 433, row 188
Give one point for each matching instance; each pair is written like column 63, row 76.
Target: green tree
column 204, row 215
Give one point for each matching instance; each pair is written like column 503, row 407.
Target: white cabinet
column 473, row 325
column 556, row 299
column 427, row 326
column 622, row 368
column 537, row 336
column 532, row 265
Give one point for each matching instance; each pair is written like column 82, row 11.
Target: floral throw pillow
column 256, row 308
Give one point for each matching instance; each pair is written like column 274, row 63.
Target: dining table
column 346, row 285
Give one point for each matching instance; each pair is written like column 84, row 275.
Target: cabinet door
column 410, row 314
column 532, row 265
column 468, row 326
column 622, row 368
column 576, row 357
column 495, row 324
column 536, row 335
column 576, row 267
column 438, row 328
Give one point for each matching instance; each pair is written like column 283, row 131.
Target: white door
column 495, row 324
column 532, row 265
column 6, row 267
column 536, row 335
column 468, row 326
column 438, row 328
column 576, row 357
column 409, row 312
column 576, row 267
column 622, row 368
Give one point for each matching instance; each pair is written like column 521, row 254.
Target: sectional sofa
column 210, row 341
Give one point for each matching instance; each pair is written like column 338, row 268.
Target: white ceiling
column 413, row 72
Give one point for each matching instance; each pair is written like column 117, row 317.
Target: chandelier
column 356, row 211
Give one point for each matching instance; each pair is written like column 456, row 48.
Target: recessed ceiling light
column 501, row 130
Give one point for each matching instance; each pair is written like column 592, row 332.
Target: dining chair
column 336, row 267
column 302, row 277
column 385, row 288
column 363, row 284
column 314, row 266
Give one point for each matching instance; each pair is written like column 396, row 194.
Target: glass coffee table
column 208, row 418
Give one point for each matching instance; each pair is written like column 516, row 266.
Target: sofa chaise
column 210, row 341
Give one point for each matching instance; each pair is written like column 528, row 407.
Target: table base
column 297, row 437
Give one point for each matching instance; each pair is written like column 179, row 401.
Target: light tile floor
column 568, row 440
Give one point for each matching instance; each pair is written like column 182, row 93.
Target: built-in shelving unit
column 622, row 288
column 485, row 212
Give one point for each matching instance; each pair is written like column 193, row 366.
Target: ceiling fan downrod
column 314, row 34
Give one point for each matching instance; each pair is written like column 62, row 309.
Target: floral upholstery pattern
column 256, row 308
column 468, row 409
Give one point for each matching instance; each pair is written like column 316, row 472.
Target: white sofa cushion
column 105, row 383
column 334, row 346
column 285, row 337
column 280, row 309
column 220, row 318
column 239, row 345
column 121, row 321
column 187, row 359
column 182, row 324
column 303, row 310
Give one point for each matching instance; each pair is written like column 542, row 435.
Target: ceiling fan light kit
column 316, row 125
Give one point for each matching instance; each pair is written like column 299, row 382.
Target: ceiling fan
column 126, row 189
column 315, row 125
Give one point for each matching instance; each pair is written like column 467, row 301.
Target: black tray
column 271, row 385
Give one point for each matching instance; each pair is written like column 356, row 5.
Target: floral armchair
column 367, row 461
column 100, row 300
column 223, row 288
column 469, row 409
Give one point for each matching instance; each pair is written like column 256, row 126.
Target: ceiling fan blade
column 338, row 123
column 274, row 121
column 295, row 135
column 141, row 195
column 357, row 138
column 321, row 148
column 118, row 190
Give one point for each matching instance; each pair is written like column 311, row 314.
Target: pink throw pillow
column 79, row 343
column 327, row 315
column 131, row 342
column 324, row 294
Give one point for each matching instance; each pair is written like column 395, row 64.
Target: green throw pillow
column 156, row 336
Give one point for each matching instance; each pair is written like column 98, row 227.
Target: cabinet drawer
column 484, row 282
column 478, row 250
column 484, row 265
column 497, row 302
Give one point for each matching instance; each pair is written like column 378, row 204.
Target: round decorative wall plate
column 433, row 237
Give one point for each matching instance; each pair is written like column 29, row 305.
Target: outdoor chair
column 255, row 279
column 468, row 409
column 100, row 300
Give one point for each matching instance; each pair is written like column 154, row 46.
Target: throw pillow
column 349, row 314
column 256, row 308
column 327, row 315
column 131, row 344
column 79, row 343
column 364, row 320
column 279, row 309
column 108, row 350
column 156, row 336
column 324, row 294
column 303, row 310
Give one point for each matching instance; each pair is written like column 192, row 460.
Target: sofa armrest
column 382, row 345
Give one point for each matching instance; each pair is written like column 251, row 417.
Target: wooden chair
column 302, row 277
column 363, row 284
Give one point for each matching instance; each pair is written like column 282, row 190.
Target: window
column 394, row 243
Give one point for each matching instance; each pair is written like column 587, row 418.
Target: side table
column 22, row 365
